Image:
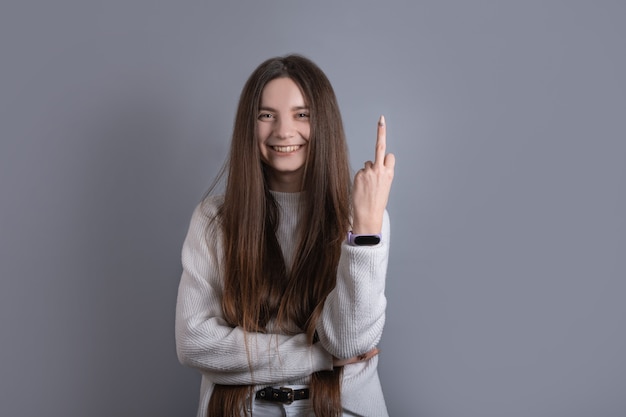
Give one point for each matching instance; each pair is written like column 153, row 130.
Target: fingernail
column 381, row 121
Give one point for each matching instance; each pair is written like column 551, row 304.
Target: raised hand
column 372, row 184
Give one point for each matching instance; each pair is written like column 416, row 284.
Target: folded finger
column 390, row 160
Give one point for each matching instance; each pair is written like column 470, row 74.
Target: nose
column 284, row 128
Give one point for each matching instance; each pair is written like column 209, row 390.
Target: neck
column 286, row 183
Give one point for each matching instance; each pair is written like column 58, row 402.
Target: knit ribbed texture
column 351, row 323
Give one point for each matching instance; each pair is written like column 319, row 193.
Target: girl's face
column 283, row 129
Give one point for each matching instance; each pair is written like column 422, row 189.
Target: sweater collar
column 288, row 199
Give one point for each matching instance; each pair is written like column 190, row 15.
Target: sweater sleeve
column 354, row 312
column 204, row 340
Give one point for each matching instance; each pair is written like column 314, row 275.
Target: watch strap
column 363, row 240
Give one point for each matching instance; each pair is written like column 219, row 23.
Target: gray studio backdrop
column 507, row 275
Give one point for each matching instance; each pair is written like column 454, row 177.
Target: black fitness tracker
column 363, row 240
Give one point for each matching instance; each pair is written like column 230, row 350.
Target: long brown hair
column 258, row 286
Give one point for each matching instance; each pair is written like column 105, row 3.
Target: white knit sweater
column 351, row 323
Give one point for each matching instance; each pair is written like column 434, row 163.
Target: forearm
column 260, row 361
column 354, row 312
column 231, row 357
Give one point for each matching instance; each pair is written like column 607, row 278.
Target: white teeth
column 286, row 149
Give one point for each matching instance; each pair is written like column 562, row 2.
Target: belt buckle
column 289, row 392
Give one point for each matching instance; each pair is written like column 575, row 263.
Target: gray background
column 507, row 274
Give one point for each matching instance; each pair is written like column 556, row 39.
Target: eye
column 265, row 116
column 302, row 115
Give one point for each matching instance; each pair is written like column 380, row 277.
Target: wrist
column 366, row 229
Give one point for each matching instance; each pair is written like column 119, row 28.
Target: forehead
column 282, row 92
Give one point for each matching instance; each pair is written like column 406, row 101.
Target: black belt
column 282, row 394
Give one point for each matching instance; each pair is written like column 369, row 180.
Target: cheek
column 261, row 133
column 263, row 130
column 305, row 132
column 262, row 149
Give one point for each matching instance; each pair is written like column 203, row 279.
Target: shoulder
column 206, row 214
column 204, row 228
column 209, row 207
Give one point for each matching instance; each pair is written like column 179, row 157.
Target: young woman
column 281, row 302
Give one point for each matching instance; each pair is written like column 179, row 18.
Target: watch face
column 366, row 240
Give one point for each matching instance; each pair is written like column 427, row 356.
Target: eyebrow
column 292, row 109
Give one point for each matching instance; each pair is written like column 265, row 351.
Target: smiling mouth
column 286, row 149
